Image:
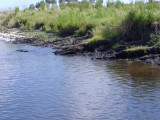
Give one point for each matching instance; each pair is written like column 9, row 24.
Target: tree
column 61, row 1
column 92, row 2
column 71, row 1
column 32, row 7
column 39, row 3
column 43, row 6
column 51, row 1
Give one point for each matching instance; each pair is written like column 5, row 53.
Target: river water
column 37, row 85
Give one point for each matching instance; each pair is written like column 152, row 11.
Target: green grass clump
column 94, row 39
column 116, row 45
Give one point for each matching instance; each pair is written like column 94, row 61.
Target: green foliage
column 16, row 10
column 155, row 40
column 99, row 4
column 116, row 45
column 7, row 20
column 119, row 4
column 73, row 5
column 43, row 6
column 138, row 17
column 63, row 6
column 84, row 29
column 25, row 10
column 23, row 24
column 32, row 7
column 43, row 36
column 110, row 3
column 94, row 39
column 83, row 5
column 84, row 18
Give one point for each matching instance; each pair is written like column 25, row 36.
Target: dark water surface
column 37, row 85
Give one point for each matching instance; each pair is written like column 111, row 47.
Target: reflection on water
column 39, row 85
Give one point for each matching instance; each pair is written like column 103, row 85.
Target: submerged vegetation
column 115, row 23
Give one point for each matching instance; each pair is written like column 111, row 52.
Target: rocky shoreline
column 73, row 45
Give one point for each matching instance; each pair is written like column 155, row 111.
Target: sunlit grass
column 138, row 48
column 83, row 19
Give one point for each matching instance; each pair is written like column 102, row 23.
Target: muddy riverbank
column 76, row 45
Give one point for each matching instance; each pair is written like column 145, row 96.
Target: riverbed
column 38, row 85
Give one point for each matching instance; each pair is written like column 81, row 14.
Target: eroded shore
column 74, row 45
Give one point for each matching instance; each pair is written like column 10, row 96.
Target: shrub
column 7, row 20
column 23, row 24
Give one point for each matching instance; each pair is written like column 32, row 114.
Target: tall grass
column 84, row 18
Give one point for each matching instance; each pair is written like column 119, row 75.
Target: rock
column 22, row 50
column 146, row 57
column 103, row 55
column 101, row 48
column 149, row 61
column 120, row 48
column 130, row 54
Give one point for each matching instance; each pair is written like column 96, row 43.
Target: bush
column 7, row 20
column 23, row 24
column 99, row 4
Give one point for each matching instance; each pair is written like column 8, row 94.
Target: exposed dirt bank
column 75, row 45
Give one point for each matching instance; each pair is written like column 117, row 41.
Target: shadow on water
column 142, row 78
column 137, row 71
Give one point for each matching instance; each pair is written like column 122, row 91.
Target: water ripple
column 38, row 85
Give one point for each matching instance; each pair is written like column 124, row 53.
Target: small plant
column 116, row 45
column 154, row 39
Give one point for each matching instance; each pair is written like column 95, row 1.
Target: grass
column 41, row 35
column 116, row 45
column 110, row 23
column 94, row 39
column 138, row 48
